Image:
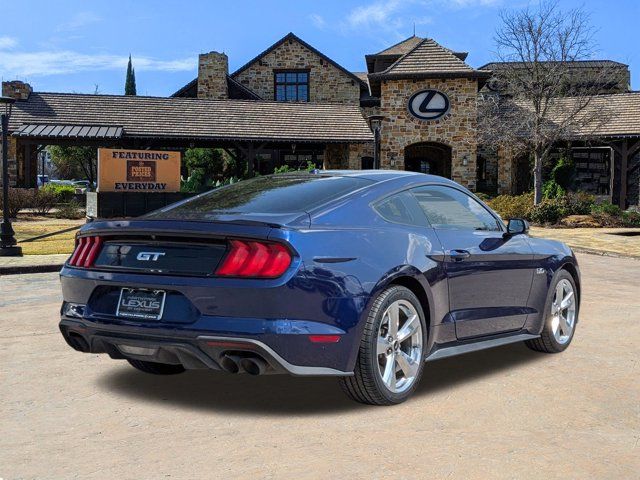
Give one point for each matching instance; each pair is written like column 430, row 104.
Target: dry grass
column 32, row 226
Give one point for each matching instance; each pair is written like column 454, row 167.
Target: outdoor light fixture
column 8, row 242
column 375, row 121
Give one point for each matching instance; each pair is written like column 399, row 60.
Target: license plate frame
column 141, row 311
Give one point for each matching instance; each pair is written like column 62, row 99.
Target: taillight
column 86, row 252
column 255, row 259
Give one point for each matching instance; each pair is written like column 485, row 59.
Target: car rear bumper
column 193, row 349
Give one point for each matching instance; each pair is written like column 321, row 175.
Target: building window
column 292, row 86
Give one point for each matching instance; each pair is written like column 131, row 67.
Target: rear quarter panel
column 350, row 254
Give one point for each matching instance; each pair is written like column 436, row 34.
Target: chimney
column 16, row 89
column 213, row 68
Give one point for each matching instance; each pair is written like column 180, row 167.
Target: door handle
column 458, row 255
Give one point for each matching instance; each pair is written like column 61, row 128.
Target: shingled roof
column 622, row 112
column 607, row 116
column 495, row 66
column 428, row 58
column 402, row 47
column 192, row 118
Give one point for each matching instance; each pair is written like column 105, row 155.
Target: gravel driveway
column 502, row 413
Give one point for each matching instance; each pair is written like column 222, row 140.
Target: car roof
column 381, row 175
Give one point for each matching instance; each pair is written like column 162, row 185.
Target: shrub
column 63, row 193
column 44, row 200
column 70, row 210
column 286, row 168
column 509, row 206
column 19, row 199
column 579, row 203
column 606, row 208
column 548, row 211
column 609, row 215
column 631, row 218
column 483, row 196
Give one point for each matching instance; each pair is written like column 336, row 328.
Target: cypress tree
column 130, row 82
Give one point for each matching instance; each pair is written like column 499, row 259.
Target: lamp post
column 8, row 247
column 376, row 125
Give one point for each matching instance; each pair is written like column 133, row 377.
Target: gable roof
column 400, row 48
column 429, row 58
column 291, row 36
column 189, row 118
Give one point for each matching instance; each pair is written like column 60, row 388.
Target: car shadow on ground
column 287, row 395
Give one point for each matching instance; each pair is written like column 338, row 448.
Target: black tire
column 156, row 368
column 366, row 385
column 547, row 342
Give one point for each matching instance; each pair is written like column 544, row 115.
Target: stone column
column 505, row 171
column 20, row 91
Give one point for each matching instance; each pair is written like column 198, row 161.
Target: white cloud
column 377, row 13
column 7, row 42
column 394, row 14
column 318, row 20
column 41, row 63
column 77, row 21
column 476, row 3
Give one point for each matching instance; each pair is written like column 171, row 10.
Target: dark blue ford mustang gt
column 363, row 275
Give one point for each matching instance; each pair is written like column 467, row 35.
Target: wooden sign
column 138, row 170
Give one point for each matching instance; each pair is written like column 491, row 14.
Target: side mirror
column 516, row 226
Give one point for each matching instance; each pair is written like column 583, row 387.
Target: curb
column 603, row 253
column 20, row 269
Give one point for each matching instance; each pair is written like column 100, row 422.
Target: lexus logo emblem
column 150, row 256
column 428, row 104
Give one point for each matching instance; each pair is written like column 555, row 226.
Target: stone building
column 292, row 104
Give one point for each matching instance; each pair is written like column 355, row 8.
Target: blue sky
column 74, row 45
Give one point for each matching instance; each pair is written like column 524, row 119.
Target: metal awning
column 69, row 131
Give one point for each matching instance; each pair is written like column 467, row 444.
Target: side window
column 446, row 207
column 401, row 208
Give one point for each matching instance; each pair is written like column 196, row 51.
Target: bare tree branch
column 542, row 98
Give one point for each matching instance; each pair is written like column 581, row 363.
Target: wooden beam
column 634, row 148
column 624, row 160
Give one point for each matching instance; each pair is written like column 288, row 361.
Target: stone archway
column 428, row 157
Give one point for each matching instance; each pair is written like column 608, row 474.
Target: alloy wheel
column 399, row 346
column 563, row 311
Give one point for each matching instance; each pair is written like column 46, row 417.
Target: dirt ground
column 503, row 413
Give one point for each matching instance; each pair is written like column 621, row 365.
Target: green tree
column 75, row 162
column 203, row 165
column 130, row 82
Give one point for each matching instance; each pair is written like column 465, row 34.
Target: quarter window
column 449, row 208
column 401, row 208
column 292, row 86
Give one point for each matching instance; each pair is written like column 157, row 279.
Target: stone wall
column 213, row 68
column 457, row 128
column 327, row 83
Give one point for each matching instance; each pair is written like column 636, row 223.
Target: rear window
column 270, row 194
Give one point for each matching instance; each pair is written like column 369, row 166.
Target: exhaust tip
column 78, row 342
column 230, row 364
column 253, row 366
